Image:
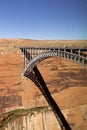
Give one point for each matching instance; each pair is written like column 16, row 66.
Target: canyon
column 66, row 81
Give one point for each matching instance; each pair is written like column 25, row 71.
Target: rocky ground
column 66, row 80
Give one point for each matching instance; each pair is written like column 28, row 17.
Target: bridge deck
column 34, row 55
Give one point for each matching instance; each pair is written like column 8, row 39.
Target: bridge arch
column 62, row 54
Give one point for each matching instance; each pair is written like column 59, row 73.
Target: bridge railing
column 75, row 54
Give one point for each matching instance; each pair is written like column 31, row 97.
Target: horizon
column 43, row 39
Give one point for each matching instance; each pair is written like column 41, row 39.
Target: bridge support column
column 59, row 53
column 64, row 53
column 30, row 54
column 79, row 53
column 26, row 56
column 71, row 54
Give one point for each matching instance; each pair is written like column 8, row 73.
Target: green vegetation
column 12, row 115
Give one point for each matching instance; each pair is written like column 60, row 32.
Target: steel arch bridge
column 34, row 55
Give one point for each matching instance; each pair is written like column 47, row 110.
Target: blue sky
column 43, row 19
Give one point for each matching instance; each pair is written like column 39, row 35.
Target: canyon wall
column 44, row 119
column 66, row 80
